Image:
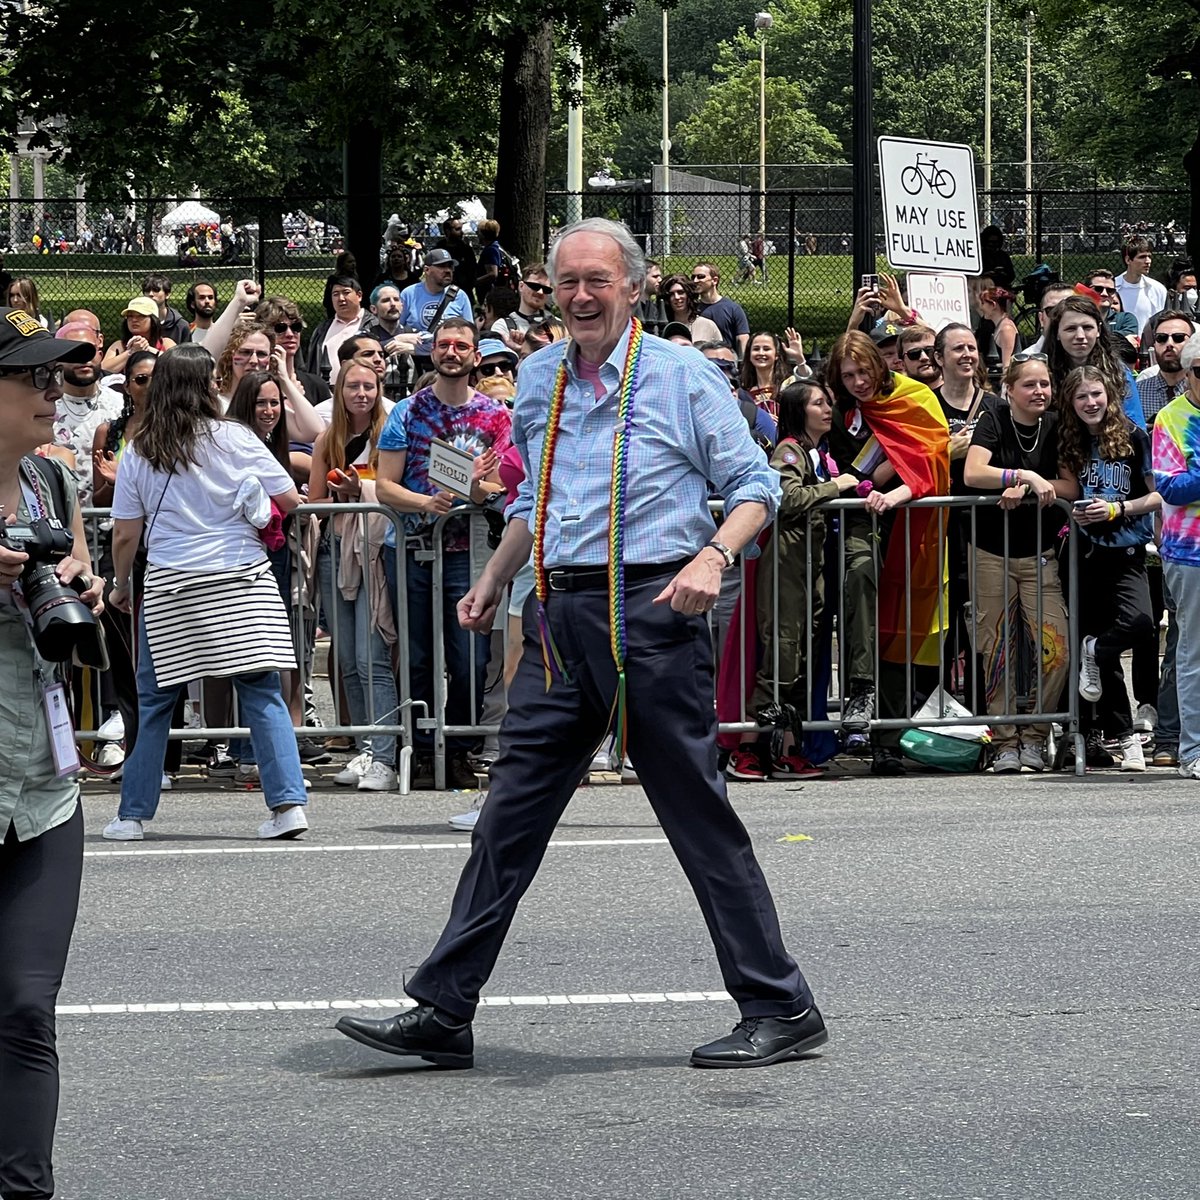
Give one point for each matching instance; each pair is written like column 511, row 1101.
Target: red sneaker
column 794, row 766
column 743, row 764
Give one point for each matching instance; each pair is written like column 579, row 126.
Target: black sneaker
column 422, row 773
column 421, row 1032
column 858, row 709
column 887, row 761
column 460, row 775
column 220, row 765
column 312, row 752
column 1096, row 756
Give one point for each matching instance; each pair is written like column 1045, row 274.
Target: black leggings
column 39, row 897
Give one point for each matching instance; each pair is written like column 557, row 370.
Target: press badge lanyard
column 54, row 694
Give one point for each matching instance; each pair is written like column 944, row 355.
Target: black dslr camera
column 62, row 624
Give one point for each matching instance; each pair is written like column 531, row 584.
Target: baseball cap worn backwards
column 24, row 343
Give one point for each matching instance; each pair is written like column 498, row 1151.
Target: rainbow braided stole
column 551, row 659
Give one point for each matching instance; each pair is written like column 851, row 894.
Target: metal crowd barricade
column 433, row 551
column 1035, row 713
column 304, row 610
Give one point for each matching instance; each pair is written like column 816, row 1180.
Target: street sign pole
column 864, row 140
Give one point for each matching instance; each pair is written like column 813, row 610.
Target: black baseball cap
column 24, row 343
column 677, row 329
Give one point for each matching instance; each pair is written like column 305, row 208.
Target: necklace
column 1037, row 437
column 551, row 658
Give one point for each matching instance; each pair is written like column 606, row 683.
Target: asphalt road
column 1009, row 969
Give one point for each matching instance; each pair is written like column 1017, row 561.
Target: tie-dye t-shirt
column 1177, row 478
column 414, row 423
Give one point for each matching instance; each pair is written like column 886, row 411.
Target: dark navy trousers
column 546, row 745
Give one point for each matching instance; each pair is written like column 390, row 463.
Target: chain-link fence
column 786, row 255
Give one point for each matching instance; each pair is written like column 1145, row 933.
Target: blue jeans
column 466, row 653
column 362, row 654
column 262, row 709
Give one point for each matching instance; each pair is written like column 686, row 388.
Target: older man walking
column 620, row 434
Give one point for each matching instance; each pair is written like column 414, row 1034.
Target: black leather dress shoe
column 422, row 1032
column 760, row 1041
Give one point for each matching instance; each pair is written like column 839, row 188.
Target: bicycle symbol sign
column 925, row 173
column 930, row 213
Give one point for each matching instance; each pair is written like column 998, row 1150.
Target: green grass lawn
column 822, row 295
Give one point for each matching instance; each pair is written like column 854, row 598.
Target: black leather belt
column 581, row 579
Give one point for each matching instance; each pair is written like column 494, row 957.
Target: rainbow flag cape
column 910, row 427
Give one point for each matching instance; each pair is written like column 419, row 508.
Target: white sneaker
column 378, row 777
column 167, row 783
column 1146, row 719
column 122, row 831
column 1133, row 757
column 1089, row 672
column 113, row 730
column 464, row 822
column 601, row 761
column 247, row 773
column 110, row 754
column 354, row 770
column 191, row 717
column 1190, row 770
column 284, row 823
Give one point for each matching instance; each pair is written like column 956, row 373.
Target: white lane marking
column 226, row 1006
column 370, row 847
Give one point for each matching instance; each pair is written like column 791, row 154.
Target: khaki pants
column 1020, row 577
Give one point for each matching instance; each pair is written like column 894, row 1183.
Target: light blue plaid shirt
column 688, row 433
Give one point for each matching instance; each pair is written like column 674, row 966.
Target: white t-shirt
column 1144, row 299
column 324, row 410
column 196, row 527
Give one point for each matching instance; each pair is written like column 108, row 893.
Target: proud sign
column 930, row 212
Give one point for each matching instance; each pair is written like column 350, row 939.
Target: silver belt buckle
column 555, row 580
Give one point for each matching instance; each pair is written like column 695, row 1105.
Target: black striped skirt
column 201, row 623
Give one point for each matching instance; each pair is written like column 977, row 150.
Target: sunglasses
column 489, row 369
column 1030, row 356
column 730, row 368
column 42, row 377
column 919, row 353
column 544, row 288
column 142, row 380
column 1104, row 291
column 1160, row 339
column 284, row 326
column 245, row 355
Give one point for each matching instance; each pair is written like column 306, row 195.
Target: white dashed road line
column 228, row 1006
column 370, row 847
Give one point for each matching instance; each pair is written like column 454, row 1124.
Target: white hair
column 1189, row 356
column 632, row 255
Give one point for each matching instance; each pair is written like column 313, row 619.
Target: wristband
column 1122, row 504
column 1112, row 511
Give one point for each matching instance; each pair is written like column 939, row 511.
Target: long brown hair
column 1103, row 357
column 856, row 346
column 181, row 408
column 241, row 408
column 1114, row 440
column 339, row 425
column 689, row 290
column 778, row 371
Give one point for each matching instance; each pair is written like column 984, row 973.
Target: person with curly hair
column 1111, row 458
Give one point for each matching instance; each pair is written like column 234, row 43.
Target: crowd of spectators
column 430, row 352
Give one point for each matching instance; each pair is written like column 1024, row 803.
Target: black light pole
column 864, row 145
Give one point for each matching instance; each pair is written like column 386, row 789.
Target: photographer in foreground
column 41, row 825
